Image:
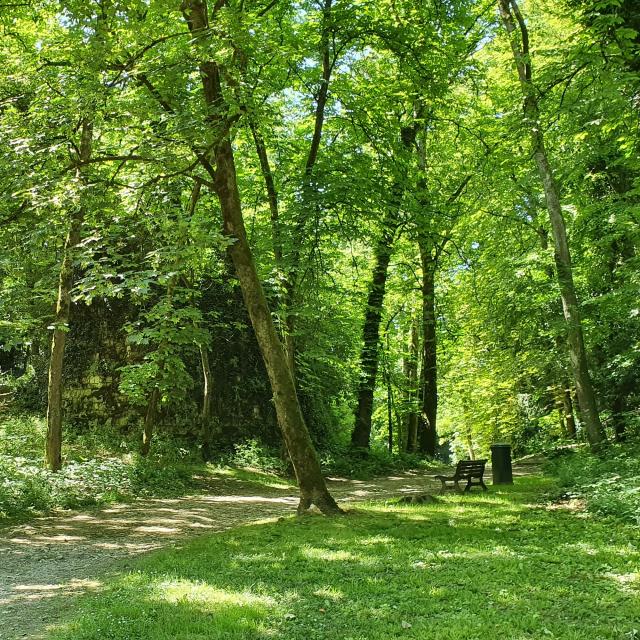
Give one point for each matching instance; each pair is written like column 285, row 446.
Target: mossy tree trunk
column 370, row 337
column 369, row 355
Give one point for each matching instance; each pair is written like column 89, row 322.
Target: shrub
column 98, row 469
column 256, row 455
column 609, row 481
column 22, row 436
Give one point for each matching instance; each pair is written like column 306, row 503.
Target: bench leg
column 484, row 486
column 457, row 487
column 468, row 487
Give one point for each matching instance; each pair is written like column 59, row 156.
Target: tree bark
column 53, row 450
column 389, row 397
column 511, row 15
column 428, row 427
column 313, row 489
column 207, row 393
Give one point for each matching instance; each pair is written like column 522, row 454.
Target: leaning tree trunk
column 53, row 451
column 313, row 489
column 510, row 13
column 303, row 456
column 428, row 430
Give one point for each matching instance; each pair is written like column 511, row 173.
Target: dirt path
column 46, row 562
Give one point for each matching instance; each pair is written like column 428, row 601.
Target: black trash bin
column 501, row 464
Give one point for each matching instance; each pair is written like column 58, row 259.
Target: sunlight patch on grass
column 373, row 540
column 331, row 555
column 329, row 593
column 208, row 597
column 255, row 476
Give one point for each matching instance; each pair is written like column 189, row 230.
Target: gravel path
column 48, row 561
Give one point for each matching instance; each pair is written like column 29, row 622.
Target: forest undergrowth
column 103, row 469
column 608, row 481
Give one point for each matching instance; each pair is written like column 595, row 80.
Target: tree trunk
column 428, row 430
column 313, row 489
column 569, row 418
column 207, row 403
column 63, row 307
column 370, row 337
column 403, row 413
column 303, row 456
column 389, row 398
column 412, row 383
column 570, row 305
column 207, row 394
column 150, row 419
column 53, row 451
column 469, row 442
column 468, row 431
column 510, row 13
column 559, row 401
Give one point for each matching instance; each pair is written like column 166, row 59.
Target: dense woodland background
column 389, row 157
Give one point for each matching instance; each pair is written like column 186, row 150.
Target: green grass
column 471, row 567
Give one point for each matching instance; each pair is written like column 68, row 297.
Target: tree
column 63, row 307
column 519, row 38
column 303, row 456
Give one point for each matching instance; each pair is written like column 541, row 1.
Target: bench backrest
column 473, row 468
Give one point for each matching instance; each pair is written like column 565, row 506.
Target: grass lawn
column 471, row 567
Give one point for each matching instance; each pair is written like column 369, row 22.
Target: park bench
column 465, row 470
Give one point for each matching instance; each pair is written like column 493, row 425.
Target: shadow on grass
column 466, row 568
